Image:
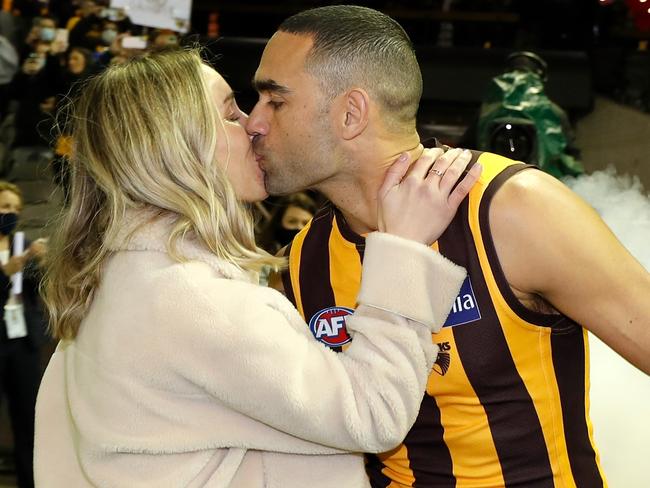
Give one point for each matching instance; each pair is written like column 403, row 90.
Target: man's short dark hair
column 359, row 46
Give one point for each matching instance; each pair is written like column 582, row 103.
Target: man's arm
column 554, row 246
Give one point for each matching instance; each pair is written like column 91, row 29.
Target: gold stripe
column 294, row 265
column 397, row 467
column 345, row 269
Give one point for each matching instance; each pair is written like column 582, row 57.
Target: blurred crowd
column 46, row 50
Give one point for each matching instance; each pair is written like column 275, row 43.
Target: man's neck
column 354, row 192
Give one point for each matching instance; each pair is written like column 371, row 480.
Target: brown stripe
column 490, row 368
column 314, row 280
column 569, row 361
column 429, row 456
column 373, row 469
column 361, row 248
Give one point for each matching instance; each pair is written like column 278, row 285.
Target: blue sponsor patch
column 465, row 307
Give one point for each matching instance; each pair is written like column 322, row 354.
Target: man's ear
column 354, row 113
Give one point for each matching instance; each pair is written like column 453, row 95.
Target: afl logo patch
column 328, row 326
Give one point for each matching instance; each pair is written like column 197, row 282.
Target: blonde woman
column 174, row 368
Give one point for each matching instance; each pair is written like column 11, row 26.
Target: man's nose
column 256, row 125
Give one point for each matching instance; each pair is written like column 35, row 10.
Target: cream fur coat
column 189, row 374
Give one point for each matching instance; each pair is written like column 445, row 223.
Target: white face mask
column 108, row 36
column 47, row 34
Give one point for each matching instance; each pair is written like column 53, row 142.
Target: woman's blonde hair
column 144, row 136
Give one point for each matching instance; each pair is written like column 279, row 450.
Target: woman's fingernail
column 467, row 152
column 403, row 157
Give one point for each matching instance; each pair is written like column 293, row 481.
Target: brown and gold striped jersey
column 507, row 401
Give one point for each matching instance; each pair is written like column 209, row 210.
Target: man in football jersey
column 507, row 401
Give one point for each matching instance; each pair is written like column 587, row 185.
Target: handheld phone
column 61, row 36
column 134, row 42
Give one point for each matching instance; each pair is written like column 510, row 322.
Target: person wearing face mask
column 109, row 33
column 42, row 31
column 291, row 213
column 88, row 32
column 112, row 34
column 47, row 34
column 22, row 330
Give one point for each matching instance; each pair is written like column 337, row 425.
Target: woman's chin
column 258, row 195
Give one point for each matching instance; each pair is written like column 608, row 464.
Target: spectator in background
column 86, row 29
column 8, row 68
column 22, row 331
column 47, row 27
column 79, row 66
column 113, row 33
column 116, row 53
column 110, row 31
column 37, row 81
column 163, row 38
column 41, row 34
column 40, row 73
column 292, row 213
column 40, row 58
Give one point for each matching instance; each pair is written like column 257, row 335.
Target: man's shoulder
column 498, row 172
column 526, row 191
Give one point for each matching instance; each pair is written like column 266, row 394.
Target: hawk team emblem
column 441, row 366
column 328, row 326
